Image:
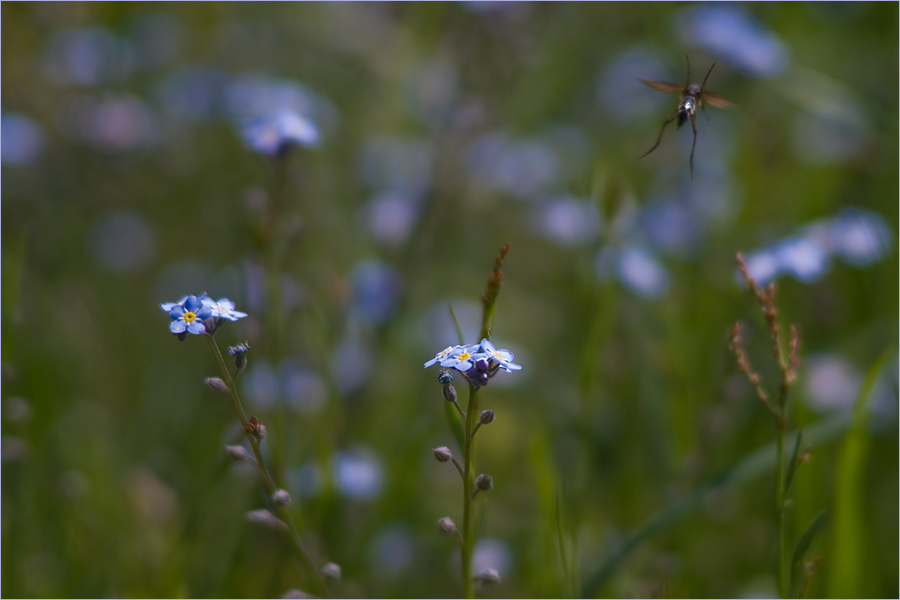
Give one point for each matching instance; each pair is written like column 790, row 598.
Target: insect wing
column 660, row 86
column 718, row 101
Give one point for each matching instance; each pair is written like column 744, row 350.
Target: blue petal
column 192, row 304
column 204, row 313
column 487, row 346
column 431, row 362
column 177, row 311
column 177, row 326
column 196, row 327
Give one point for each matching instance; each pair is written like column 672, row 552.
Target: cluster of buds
column 256, row 428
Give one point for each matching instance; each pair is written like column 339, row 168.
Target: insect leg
column 694, row 125
column 659, row 138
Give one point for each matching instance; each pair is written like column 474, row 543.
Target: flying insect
column 692, row 96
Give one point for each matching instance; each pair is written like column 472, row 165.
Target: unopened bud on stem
column 449, row 393
column 215, row 384
column 331, row 571
column 238, row 453
column 446, row 525
column 443, row 454
column 484, row 482
column 281, row 498
column 486, row 417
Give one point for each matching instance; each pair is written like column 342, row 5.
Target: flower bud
column 484, row 482
column 237, row 453
column 331, row 571
column 486, row 417
column 264, row 517
column 281, row 498
column 488, row 577
column 215, row 384
column 446, row 525
column 449, row 393
column 256, row 428
column 443, row 454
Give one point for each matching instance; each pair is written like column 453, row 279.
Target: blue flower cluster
column 199, row 315
column 477, row 362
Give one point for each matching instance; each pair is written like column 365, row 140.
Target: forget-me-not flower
column 275, row 134
column 440, row 356
column 222, row 308
column 188, row 315
column 501, row 357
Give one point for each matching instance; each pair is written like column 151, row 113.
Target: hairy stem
column 283, row 511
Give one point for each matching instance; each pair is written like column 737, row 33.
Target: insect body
column 692, row 97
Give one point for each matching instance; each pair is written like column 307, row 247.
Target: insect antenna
column 703, row 85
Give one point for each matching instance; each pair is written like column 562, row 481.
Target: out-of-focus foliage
column 424, row 136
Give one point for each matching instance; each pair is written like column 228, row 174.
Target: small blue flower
column 223, row 308
column 188, row 315
column 462, row 358
column 440, row 356
column 502, row 357
column 276, row 134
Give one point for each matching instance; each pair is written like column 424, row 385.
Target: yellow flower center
column 189, row 316
column 464, row 356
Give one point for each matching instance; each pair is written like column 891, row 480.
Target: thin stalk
column 780, row 575
column 285, row 514
column 468, row 583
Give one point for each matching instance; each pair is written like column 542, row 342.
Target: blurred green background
column 446, row 131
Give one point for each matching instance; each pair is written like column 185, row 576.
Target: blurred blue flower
column 188, row 315
column 801, row 257
column 87, row 57
column 304, row 390
column 222, row 308
column 261, row 383
column 730, row 31
column 859, row 237
column 110, row 124
column 123, row 241
column 567, row 221
column 620, row 91
column 670, row 227
column 763, row 266
column 22, row 140
column 192, row 93
column 390, row 217
column 391, row 552
column 492, row 553
column 397, row 165
column 357, row 474
column 276, row 134
column 522, row 169
column 641, row 272
column 351, row 364
column 831, row 383
column 255, row 96
column 376, row 290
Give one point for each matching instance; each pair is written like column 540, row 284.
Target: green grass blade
column 848, row 550
column 803, row 546
column 753, row 465
column 459, row 331
column 792, row 465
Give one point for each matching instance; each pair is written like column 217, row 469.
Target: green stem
column 467, row 545
column 780, row 576
column 285, row 514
